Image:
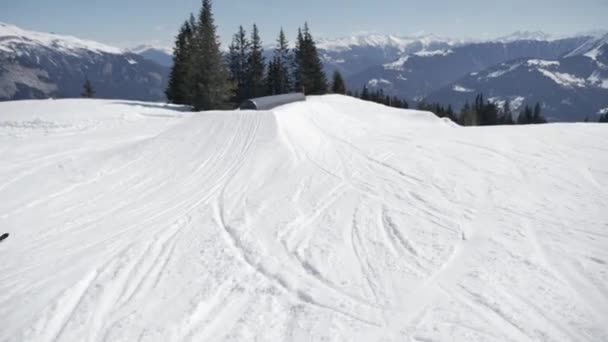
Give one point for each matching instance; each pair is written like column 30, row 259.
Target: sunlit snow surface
column 330, row 220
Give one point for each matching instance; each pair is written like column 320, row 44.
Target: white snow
column 603, row 111
column 12, row 37
column 505, row 68
column 597, row 80
column 398, row 64
column 591, row 48
column 461, row 89
column 516, row 103
column 374, row 82
column 542, row 63
column 139, row 49
column 528, row 35
column 425, row 53
column 401, row 43
column 563, row 79
column 328, row 220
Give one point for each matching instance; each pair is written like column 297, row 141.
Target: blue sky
column 130, row 22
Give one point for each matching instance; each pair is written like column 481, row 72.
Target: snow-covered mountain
column 42, row 65
column 571, row 88
column 160, row 55
column 416, row 74
column 355, row 54
column 332, row 219
column 402, row 43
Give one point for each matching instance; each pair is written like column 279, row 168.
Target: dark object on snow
column 270, row 102
column 3, row 237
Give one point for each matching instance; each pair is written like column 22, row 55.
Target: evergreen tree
column 365, row 93
column 468, row 115
column 451, row 115
column 178, row 88
column 603, row 118
column 507, row 114
column 209, row 74
column 526, row 116
column 255, row 66
column 538, row 117
column 486, row 112
column 308, row 69
column 338, row 86
column 87, row 89
column 278, row 79
column 237, row 63
column 296, row 63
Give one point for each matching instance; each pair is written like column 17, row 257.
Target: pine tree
column 297, row 85
column 365, row 93
column 278, row 79
column 507, row 114
column 526, row 116
column 309, row 68
column 237, row 62
column 338, row 86
column 468, row 115
column 255, row 67
column 178, row 88
column 210, row 79
column 538, row 117
column 450, row 114
column 87, row 89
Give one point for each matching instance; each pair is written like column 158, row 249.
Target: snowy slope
column 329, row 220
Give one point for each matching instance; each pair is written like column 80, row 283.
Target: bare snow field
column 329, row 220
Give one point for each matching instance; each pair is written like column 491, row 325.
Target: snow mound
column 331, row 219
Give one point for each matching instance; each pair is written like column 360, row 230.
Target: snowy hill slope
column 333, row 219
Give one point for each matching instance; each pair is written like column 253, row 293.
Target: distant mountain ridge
column 415, row 75
column 160, row 55
column 43, row 65
column 572, row 87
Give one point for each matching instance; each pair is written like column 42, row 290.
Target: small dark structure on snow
column 270, row 102
column 3, row 237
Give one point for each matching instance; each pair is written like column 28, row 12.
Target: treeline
column 205, row 79
column 378, row 96
column 486, row 113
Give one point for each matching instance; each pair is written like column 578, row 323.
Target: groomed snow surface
column 327, row 220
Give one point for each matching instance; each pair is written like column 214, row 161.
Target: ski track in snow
column 329, row 220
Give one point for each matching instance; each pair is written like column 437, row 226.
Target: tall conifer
column 211, row 86
column 338, row 86
column 237, row 62
column 255, row 66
